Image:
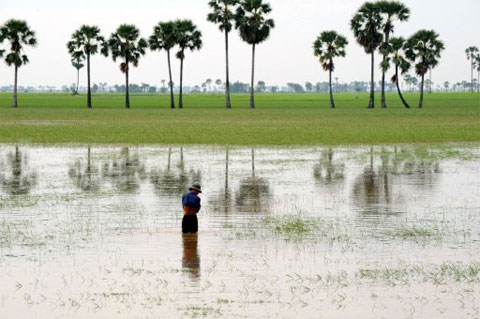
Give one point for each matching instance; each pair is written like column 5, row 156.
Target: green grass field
column 283, row 119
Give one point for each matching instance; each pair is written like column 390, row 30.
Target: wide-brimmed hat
column 196, row 187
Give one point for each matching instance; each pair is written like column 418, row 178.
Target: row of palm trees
column 126, row 44
column 473, row 55
column 372, row 26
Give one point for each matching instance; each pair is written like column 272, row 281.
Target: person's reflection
column 191, row 257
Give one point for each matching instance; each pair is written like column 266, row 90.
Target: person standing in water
column 191, row 207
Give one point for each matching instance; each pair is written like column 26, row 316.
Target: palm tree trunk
column 472, row 76
column 127, row 94
column 227, row 83
column 371, row 104
column 384, row 100
column 180, row 102
column 89, row 91
column 398, row 88
column 478, row 82
column 420, row 105
column 78, row 82
column 15, row 97
column 252, row 88
column 172, row 99
column 332, row 103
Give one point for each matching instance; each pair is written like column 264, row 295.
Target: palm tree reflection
column 223, row 201
column 253, row 195
column 327, row 172
column 16, row 177
column 125, row 172
column 372, row 190
column 174, row 181
column 86, row 178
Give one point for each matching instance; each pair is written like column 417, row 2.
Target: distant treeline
column 410, row 83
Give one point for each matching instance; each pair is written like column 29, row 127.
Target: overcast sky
column 286, row 57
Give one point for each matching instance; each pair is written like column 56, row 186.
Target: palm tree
column 223, row 15
column 188, row 37
column 395, row 53
column 88, row 40
column 390, row 11
column 209, row 84
column 424, row 48
column 471, row 53
column 126, row 43
column 254, row 27
column 164, row 37
column 477, row 66
column 218, row 83
column 366, row 25
column 19, row 35
column 77, row 63
column 328, row 46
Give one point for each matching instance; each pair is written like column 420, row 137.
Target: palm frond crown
column 328, row 46
column 18, row 35
column 424, row 48
column 366, row 25
column 222, row 13
column 126, row 43
column 252, row 22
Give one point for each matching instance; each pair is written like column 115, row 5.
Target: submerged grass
column 414, row 233
column 291, row 226
column 438, row 275
column 283, row 119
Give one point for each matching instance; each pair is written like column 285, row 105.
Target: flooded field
column 365, row 232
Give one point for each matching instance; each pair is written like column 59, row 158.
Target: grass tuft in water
column 290, row 226
column 412, row 233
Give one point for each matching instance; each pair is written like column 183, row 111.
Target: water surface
column 366, row 232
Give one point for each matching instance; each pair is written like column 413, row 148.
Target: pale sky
column 286, row 57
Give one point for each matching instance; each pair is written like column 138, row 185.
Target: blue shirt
column 191, row 200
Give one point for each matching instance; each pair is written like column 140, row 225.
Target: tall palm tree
column 366, row 25
column 390, row 11
column 254, row 26
column 189, row 38
column 77, row 63
column 328, row 46
column 164, row 37
column 395, row 53
column 477, row 67
column 88, row 40
column 223, row 14
column 471, row 53
column 126, row 43
column 424, row 48
column 19, row 35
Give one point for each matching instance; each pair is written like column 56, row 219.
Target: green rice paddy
column 280, row 119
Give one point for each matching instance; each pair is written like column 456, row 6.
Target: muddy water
column 383, row 232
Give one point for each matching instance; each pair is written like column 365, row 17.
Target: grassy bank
column 278, row 120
